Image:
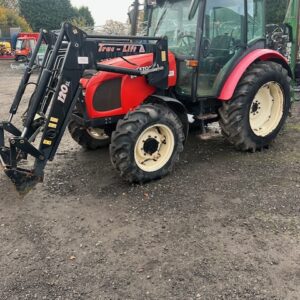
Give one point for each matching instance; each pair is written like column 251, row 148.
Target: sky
column 106, row 10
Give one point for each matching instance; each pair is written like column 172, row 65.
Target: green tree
column 276, row 10
column 83, row 13
column 112, row 27
column 48, row 14
column 79, row 22
column 11, row 4
column 9, row 18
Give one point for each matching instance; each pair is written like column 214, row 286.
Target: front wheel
column 259, row 107
column 88, row 138
column 21, row 58
column 147, row 143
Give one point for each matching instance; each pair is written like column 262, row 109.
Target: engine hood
column 110, row 94
column 137, row 62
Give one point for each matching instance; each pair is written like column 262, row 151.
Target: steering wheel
column 187, row 43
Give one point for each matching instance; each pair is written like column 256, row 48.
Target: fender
column 176, row 106
column 237, row 73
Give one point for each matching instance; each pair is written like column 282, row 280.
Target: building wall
column 8, row 32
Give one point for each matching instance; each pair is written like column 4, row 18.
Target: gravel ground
column 224, row 225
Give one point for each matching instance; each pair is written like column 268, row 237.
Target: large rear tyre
column 88, row 138
column 21, row 58
column 147, row 143
column 259, row 107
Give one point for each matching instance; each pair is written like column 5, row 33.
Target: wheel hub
column 255, row 108
column 266, row 110
column 151, row 146
column 154, row 148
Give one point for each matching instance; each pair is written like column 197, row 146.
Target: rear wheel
column 21, row 58
column 259, row 107
column 147, row 143
column 88, row 138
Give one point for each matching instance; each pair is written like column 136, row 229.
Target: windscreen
column 19, row 44
column 171, row 19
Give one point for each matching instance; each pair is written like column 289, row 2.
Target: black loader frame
column 58, row 88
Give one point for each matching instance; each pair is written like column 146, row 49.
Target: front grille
column 108, row 95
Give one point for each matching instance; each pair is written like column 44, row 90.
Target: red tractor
column 25, row 44
column 202, row 62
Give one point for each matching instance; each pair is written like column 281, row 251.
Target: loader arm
column 57, row 90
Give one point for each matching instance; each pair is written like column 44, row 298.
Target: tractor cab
column 213, row 34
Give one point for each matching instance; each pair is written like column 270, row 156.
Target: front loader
column 202, row 62
column 58, row 91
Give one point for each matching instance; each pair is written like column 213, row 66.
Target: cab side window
column 255, row 20
column 223, row 37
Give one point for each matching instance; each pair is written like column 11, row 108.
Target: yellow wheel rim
column 266, row 110
column 154, row 148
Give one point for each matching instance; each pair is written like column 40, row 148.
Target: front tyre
column 259, row 107
column 147, row 143
column 21, row 58
column 88, row 138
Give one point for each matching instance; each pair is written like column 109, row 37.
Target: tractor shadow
column 80, row 173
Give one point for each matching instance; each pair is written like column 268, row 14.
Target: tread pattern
column 234, row 114
column 127, row 132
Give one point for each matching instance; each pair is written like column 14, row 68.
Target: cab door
column 223, row 41
column 173, row 20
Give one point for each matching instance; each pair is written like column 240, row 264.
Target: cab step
column 210, row 135
column 206, row 117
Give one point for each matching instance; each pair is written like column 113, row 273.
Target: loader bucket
column 23, row 180
column 4, row 156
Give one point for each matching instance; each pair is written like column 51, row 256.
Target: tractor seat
column 220, row 46
column 218, row 53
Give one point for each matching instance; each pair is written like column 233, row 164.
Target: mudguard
column 177, row 107
column 238, row 72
